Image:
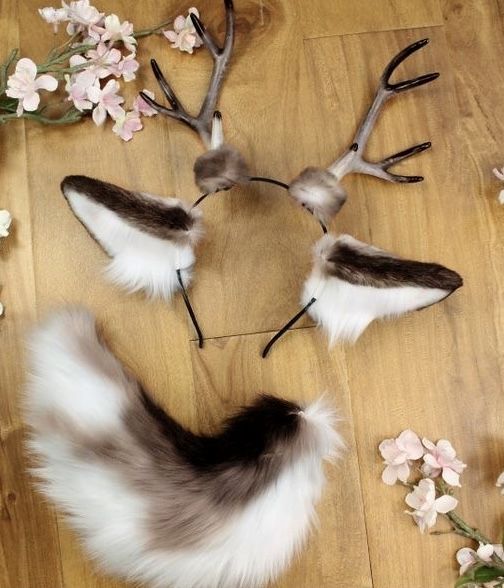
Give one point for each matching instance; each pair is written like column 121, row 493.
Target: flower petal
column 403, row 471
column 179, row 23
column 46, row 82
column 451, row 477
column 445, row 504
column 466, row 555
column 389, row 475
column 485, row 551
column 446, row 448
column 409, row 442
column 428, row 444
column 27, row 67
column 171, row 36
column 99, row 115
column 499, row 173
column 31, row 101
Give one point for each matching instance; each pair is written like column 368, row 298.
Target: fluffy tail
column 76, row 385
column 153, row 501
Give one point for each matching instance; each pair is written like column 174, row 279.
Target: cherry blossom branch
column 4, row 69
column 49, row 65
column 72, row 115
column 157, row 29
column 99, row 52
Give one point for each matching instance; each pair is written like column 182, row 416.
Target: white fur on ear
column 355, row 283
column 153, row 502
column 147, row 237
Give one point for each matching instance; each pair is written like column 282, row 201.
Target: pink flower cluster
column 468, row 558
column 94, row 83
column 24, row 85
column 184, row 35
column 439, row 459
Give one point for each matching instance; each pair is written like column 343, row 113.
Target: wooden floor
column 302, row 74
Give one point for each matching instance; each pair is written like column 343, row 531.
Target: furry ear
column 355, row 283
column 320, row 191
column 154, row 502
column 147, row 237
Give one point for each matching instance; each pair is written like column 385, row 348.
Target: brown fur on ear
column 220, row 169
column 357, row 263
column 320, row 191
column 169, row 218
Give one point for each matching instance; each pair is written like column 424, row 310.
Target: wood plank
column 68, row 263
column 438, row 371
column 230, row 373
column 322, row 18
column 23, row 564
column 256, row 240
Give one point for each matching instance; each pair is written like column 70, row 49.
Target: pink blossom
column 81, row 16
column 441, row 459
column 54, row 16
column 5, row 223
column 77, row 88
column 127, row 68
column 467, row 557
column 426, row 506
column 500, row 479
column 107, row 101
column 499, row 173
column 140, row 106
column 115, row 30
column 103, row 60
column 127, row 124
column 397, row 455
column 23, row 84
column 184, row 35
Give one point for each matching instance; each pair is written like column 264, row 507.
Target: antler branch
column 352, row 160
column 221, row 56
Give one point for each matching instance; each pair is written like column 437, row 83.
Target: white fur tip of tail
column 323, row 418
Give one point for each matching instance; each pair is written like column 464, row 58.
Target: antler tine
column 203, row 122
column 221, row 57
column 177, row 111
column 352, row 160
column 165, row 86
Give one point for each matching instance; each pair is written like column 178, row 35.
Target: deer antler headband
column 151, row 239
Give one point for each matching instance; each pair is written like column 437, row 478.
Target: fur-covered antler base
column 153, row 502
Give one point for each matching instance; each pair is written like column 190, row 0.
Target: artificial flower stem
column 58, row 49
column 49, row 65
column 4, row 68
column 147, row 32
column 71, row 116
column 462, row 528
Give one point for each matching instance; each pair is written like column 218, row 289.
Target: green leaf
column 4, row 69
column 479, row 576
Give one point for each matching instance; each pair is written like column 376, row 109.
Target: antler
column 201, row 123
column 352, row 161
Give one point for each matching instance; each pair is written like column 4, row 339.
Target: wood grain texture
column 230, row 373
column 29, row 547
column 291, row 100
column 320, row 18
column 439, row 371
